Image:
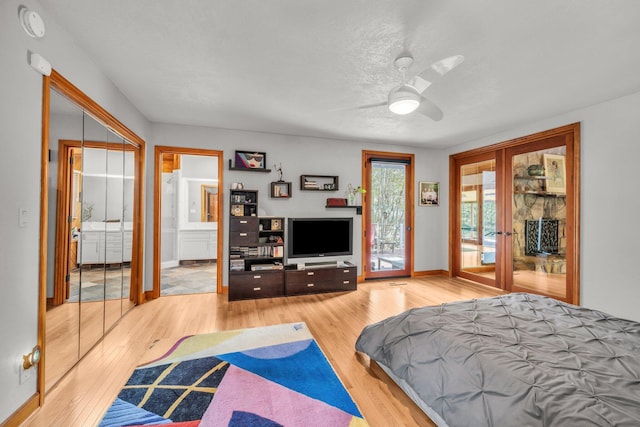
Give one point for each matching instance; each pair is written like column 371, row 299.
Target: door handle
column 508, row 233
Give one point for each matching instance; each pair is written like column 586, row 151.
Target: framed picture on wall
column 250, row 160
column 555, row 171
column 429, row 193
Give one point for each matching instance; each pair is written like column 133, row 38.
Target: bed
column 513, row 360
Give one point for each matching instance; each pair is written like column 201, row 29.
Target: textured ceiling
column 301, row 67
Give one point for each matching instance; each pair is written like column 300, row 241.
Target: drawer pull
column 345, row 282
column 257, row 276
column 244, row 221
column 243, row 234
column 310, row 273
column 309, row 285
column 257, row 289
column 345, row 271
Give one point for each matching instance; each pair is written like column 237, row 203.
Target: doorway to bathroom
column 187, row 221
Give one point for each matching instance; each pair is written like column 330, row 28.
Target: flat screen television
column 319, row 239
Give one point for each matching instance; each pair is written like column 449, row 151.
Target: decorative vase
column 351, row 199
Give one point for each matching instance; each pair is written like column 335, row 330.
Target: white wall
column 299, row 156
column 609, row 206
column 21, row 124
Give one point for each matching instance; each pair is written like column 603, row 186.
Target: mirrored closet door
column 93, row 239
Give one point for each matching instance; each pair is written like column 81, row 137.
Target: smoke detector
column 31, row 22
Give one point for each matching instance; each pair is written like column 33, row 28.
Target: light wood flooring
column 82, row 396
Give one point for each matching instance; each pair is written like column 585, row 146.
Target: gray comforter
column 514, row 360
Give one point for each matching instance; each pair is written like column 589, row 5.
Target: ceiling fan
column 407, row 97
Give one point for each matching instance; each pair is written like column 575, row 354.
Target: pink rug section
column 241, row 390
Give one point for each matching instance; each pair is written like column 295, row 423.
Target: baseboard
column 430, row 273
column 28, row 408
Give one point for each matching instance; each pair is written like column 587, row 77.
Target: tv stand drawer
column 311, row 275
column 255, row 284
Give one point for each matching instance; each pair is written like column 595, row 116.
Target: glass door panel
column 478, row 217
column 539, row 222
column 388, row 248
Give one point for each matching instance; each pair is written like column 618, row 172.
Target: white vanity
column 105, row 243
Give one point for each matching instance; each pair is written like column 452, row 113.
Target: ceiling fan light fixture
column 403, row 101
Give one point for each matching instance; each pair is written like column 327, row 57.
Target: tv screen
column 319, row 237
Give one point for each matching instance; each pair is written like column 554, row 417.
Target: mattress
column 512, row 360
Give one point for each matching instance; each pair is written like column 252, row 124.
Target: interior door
column 538, row 218
column 479, row 231
column 388, row 212
column 515, row 216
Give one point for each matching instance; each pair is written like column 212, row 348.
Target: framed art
column 250, row 160
column 429, row 193
column 555, row 170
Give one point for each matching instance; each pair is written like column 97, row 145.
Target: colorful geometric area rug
column 267, row 377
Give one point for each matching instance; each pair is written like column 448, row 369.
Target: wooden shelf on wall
column 357, row 208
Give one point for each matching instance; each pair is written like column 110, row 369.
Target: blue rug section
column 244, row 419
column 308, row 372
column 122, row 413
column 177, row 381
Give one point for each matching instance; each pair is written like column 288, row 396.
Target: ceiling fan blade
column 438, row 69
column 364, row 107
column 430, row 110
column 360, row 107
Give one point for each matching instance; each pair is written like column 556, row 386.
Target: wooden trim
column 562, row 130
column 24, row 411
column 425, row 273
column 159, row 152
column 44, row 230
column 61, row 255
column 93, row 109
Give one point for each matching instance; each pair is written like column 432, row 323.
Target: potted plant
column 352, row 192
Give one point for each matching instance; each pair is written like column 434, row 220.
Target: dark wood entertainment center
column 256, row 258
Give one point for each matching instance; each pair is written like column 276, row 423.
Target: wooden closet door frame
column 571, row 135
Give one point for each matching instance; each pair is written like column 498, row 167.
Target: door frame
column 157, row 214
column 409, row 159
column 571, row 135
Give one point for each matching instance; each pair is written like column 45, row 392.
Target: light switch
column 22, row 217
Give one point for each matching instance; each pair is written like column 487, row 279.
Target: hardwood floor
column 84, row 394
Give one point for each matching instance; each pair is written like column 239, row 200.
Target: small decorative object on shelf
column 352, row 192
column 249, row 161
column 535, row 170
column 318, row 183
column 280, row 190
column 279, row 170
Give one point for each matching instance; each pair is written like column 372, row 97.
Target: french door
column 515, row 216
column 388, row 214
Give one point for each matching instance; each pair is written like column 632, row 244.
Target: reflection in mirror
column 63, row 312
column 93, row 249
column 126, row 294
column 95, row 209
column 114, row 239
column 209, row 203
